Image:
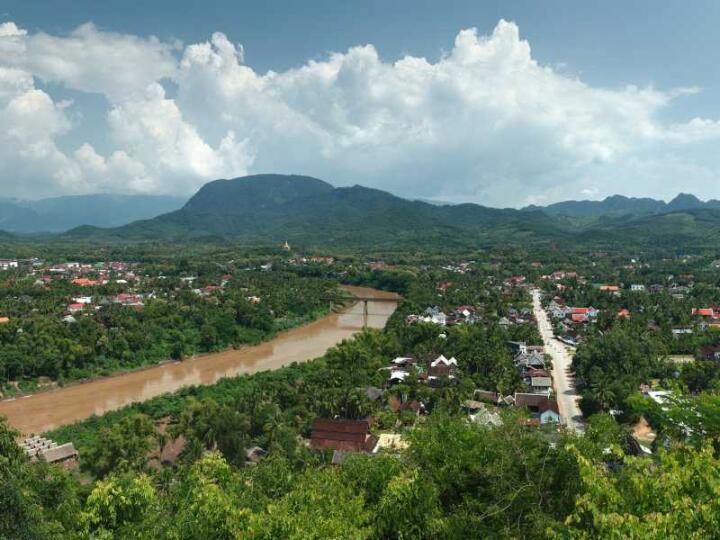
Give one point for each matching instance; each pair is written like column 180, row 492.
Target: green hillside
column 270, row 208
column 275, row 208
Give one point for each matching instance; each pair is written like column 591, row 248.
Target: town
column 501, row 342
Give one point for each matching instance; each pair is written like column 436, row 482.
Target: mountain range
column 274, row 208
column 618, row 205
column 271, row 208
column 60, row 214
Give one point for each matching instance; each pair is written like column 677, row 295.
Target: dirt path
column 562, row 377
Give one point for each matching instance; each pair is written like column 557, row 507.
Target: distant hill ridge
column 619, row 205
column 59, row 214
column 273, row 208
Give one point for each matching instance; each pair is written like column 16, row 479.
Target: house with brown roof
column 443, row 367
column 541, row 406
column 342, row 435
column 487, row 395
column 549, row 412
column 710, row 352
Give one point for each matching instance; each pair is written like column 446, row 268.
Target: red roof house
column 609, row 288
column 84, row 282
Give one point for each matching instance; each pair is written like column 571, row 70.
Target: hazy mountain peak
column 685, row 201
column 58, row 214
column 245, row 193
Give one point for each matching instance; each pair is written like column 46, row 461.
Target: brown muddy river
column 43, row 411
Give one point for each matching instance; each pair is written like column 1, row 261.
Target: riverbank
column 47, row 410
column 40, row 386
column 20, row 389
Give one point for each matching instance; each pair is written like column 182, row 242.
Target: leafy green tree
column 215, row 427
column 408, row 509
column 503, row 481
column 320, row 505
column 118, row 506
column 124, row 446
column 673, row 497
column 22, row 515
column 206, row 503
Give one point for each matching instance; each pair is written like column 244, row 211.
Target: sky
column 501, row 103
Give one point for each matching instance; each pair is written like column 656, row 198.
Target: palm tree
column 602, row 392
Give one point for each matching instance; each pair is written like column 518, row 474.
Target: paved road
column 562, row 377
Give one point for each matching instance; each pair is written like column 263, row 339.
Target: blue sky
column 498, row 130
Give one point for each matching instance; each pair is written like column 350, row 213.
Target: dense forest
column 168, row 311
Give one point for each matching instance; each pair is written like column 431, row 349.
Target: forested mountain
column 271, row 208
column 275, row 208
column 59, row 214
column 618, row 205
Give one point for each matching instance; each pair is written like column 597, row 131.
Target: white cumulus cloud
column 486, row 122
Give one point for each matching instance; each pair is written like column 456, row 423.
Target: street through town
column 562, row 377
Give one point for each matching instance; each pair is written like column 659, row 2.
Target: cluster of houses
column 678, row 289
column 708, row 317
column 356, row 436
column 515, row 281
column 314, row 259
column 86, row 275
column 19, row 264
column 433, row 370
column 560, row 275
column 530, row 362
column 704, row 318
column 92, row 303
column 121, row 273
column 532, row 365
column 517, row 316
column 434, row 315
column 569, row 314
column 462, row 267
column 81, row 275
column 485, row 405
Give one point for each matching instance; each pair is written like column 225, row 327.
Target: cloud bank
column 484, row 123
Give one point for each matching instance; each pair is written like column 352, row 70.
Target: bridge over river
column 37, row 413
column 367, row 300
